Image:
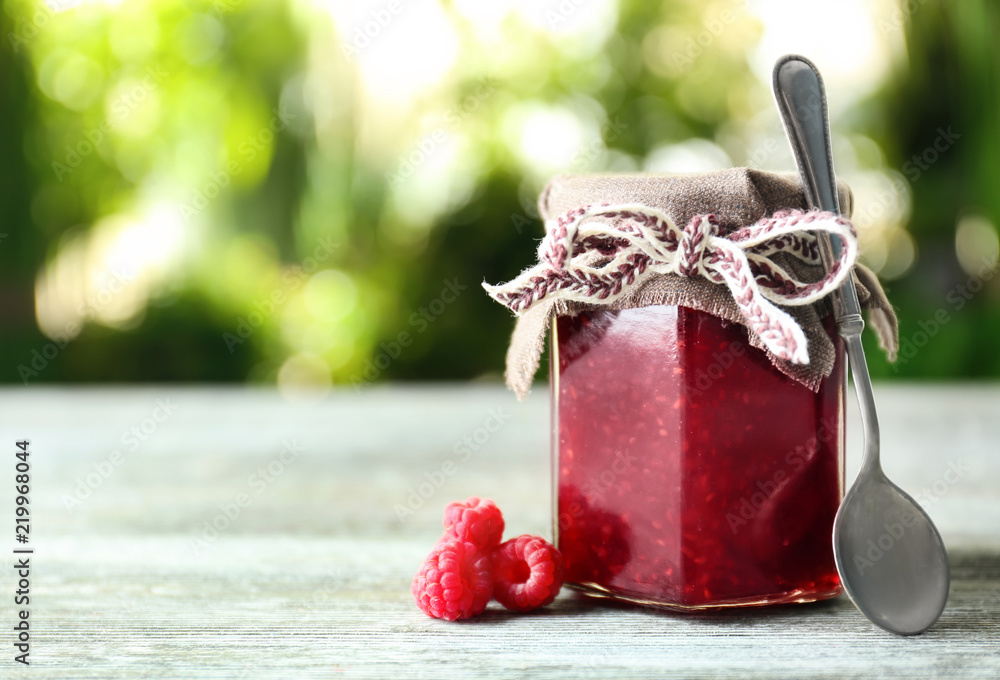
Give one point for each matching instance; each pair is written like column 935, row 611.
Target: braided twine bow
column 597, row 254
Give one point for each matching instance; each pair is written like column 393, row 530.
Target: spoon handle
column 798, row 89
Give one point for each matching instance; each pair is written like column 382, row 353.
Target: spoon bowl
column 890, row 556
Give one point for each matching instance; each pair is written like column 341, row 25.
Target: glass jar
column 689, row 472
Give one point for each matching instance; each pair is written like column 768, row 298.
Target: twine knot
column 695, row 237
column 597, row 254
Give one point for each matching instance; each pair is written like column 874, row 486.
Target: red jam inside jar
column 690, row 472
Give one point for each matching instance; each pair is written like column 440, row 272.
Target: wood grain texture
column 311, row 579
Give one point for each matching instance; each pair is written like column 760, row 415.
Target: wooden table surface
column 309, row 576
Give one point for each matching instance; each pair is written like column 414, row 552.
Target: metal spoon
column 890, row 556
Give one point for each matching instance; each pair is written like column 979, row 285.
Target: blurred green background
column 309, row 192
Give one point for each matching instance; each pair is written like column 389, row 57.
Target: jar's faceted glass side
column 688, row 471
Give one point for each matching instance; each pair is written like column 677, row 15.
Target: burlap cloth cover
column 737, row 197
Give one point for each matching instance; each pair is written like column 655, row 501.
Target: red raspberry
column 528, row 573
column 476, row 520
column 455, row 581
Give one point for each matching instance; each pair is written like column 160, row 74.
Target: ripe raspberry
column 476, row 520
column 528, row 573
column 454, row 582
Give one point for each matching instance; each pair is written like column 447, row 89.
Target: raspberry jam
column 691, row 473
